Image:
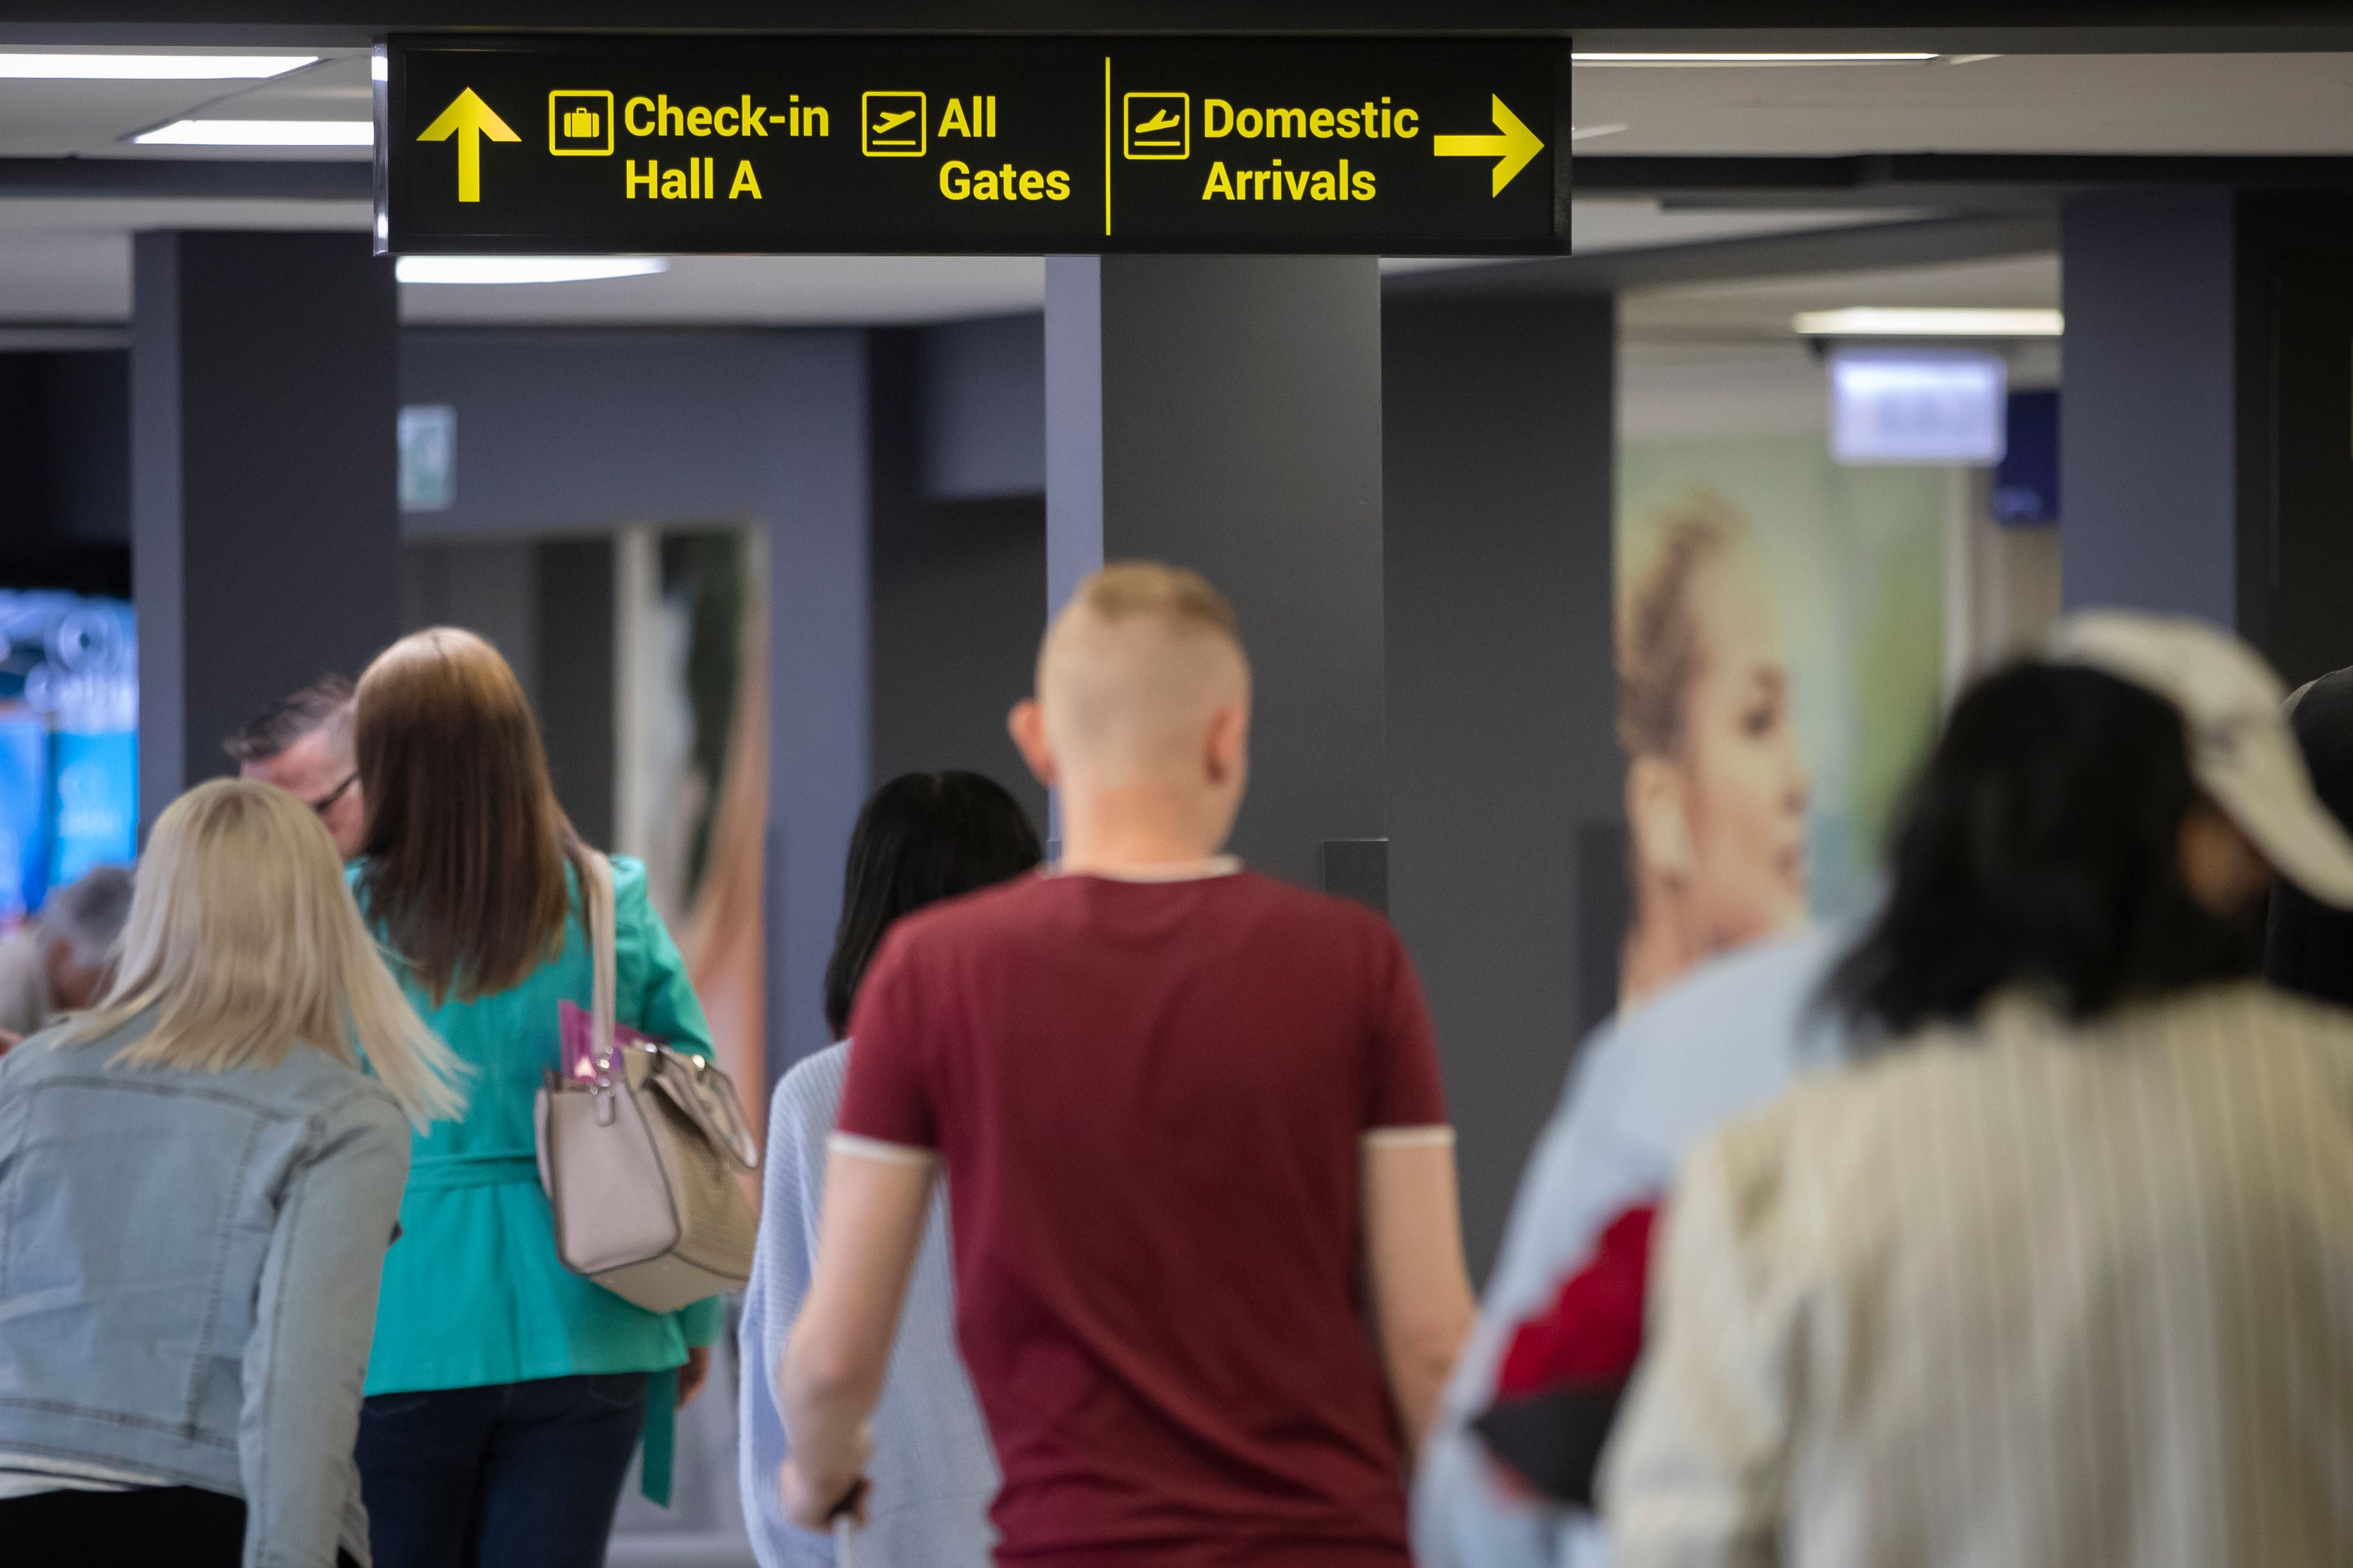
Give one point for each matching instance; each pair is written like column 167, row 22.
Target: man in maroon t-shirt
column 1208, row 1265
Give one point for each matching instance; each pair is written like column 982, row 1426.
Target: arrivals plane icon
column 1158, row 125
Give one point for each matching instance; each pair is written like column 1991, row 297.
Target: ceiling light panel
column 260, row 133
column 523, row 268
column 19, row 66
column 1900, row 322
column 1777, row 57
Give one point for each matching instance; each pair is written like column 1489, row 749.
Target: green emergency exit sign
column 1017, row 145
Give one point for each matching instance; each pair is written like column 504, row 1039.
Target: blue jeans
column 515, row 1475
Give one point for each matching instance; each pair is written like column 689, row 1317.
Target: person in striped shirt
column 2060, row 1272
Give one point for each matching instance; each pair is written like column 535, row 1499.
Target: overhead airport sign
column 1016, row 145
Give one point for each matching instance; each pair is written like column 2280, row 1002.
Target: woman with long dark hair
column 2063, row 1272
column 505, row 1395
column 922, row 838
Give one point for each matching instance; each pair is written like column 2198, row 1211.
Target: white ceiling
column 1759, row 309
column 2005, row 103
column 68, row 259
column 46, row 118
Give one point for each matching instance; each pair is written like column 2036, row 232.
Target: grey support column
column 1504, row 772
column 1223, row 413
column 2149, row 443
column 2204, row 463
column 265, row 521
column 819, row 680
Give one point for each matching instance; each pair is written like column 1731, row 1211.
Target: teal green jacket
column 473, row 1294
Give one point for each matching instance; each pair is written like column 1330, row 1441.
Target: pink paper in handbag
column 576, row 1028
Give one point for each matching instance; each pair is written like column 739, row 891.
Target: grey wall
column 982, row 388
column 264, row 377
column 573, row 643
column 1233, row 406
column 956, row 614
column 583, row 432
column 65, row 471
column 488, row 586
column 1498, row 444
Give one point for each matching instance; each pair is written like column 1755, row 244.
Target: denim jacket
column 188, row 1269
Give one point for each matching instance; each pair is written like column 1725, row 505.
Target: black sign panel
column 1017, row 145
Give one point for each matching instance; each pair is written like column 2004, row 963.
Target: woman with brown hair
column 505, row 1395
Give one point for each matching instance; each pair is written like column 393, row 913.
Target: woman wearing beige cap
column 2062, row 1273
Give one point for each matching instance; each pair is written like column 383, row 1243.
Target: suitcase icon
column 580, row 122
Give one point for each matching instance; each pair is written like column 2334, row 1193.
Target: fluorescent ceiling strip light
column 260, row 133
column 148, row 68
column 1884, row 322
column 1777, row 57
column 523, row 268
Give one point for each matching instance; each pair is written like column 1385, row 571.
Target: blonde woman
column 197, row 1184
column 1715, row 790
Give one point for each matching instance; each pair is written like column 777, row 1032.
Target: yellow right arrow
column 470, row 119
column 1511, row 151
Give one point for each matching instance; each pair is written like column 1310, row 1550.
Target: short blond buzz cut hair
column 1135, row 663
column 1172, row 593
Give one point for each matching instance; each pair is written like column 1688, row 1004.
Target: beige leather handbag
column 640, row 1162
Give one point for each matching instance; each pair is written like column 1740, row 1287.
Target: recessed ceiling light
column 260, row 133
column 523, row 268
column 1774, row 58
column 1926, row 322
column 148, row 68
column 1587, row 133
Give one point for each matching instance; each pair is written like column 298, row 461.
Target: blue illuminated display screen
column 68, row 742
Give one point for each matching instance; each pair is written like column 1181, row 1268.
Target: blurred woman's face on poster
column 1744, row 786
column 1718, row 817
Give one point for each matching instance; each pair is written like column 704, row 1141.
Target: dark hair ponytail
column 2041, row 847
column 920, row 838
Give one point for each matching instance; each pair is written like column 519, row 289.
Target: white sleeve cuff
column 1438, row 1137
column 875, row 1149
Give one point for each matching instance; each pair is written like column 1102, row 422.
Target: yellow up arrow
column 1511, row 151
column 469, row 119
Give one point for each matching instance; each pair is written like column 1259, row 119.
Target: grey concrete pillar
column 819, row 674
column 1223, row 413
column 2203, row 460
column 1504, row 773
column 2149, row 443
column 265, row 517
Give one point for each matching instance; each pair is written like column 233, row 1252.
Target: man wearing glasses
column 303, row 745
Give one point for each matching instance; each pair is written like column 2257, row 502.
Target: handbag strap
column 596, row 894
